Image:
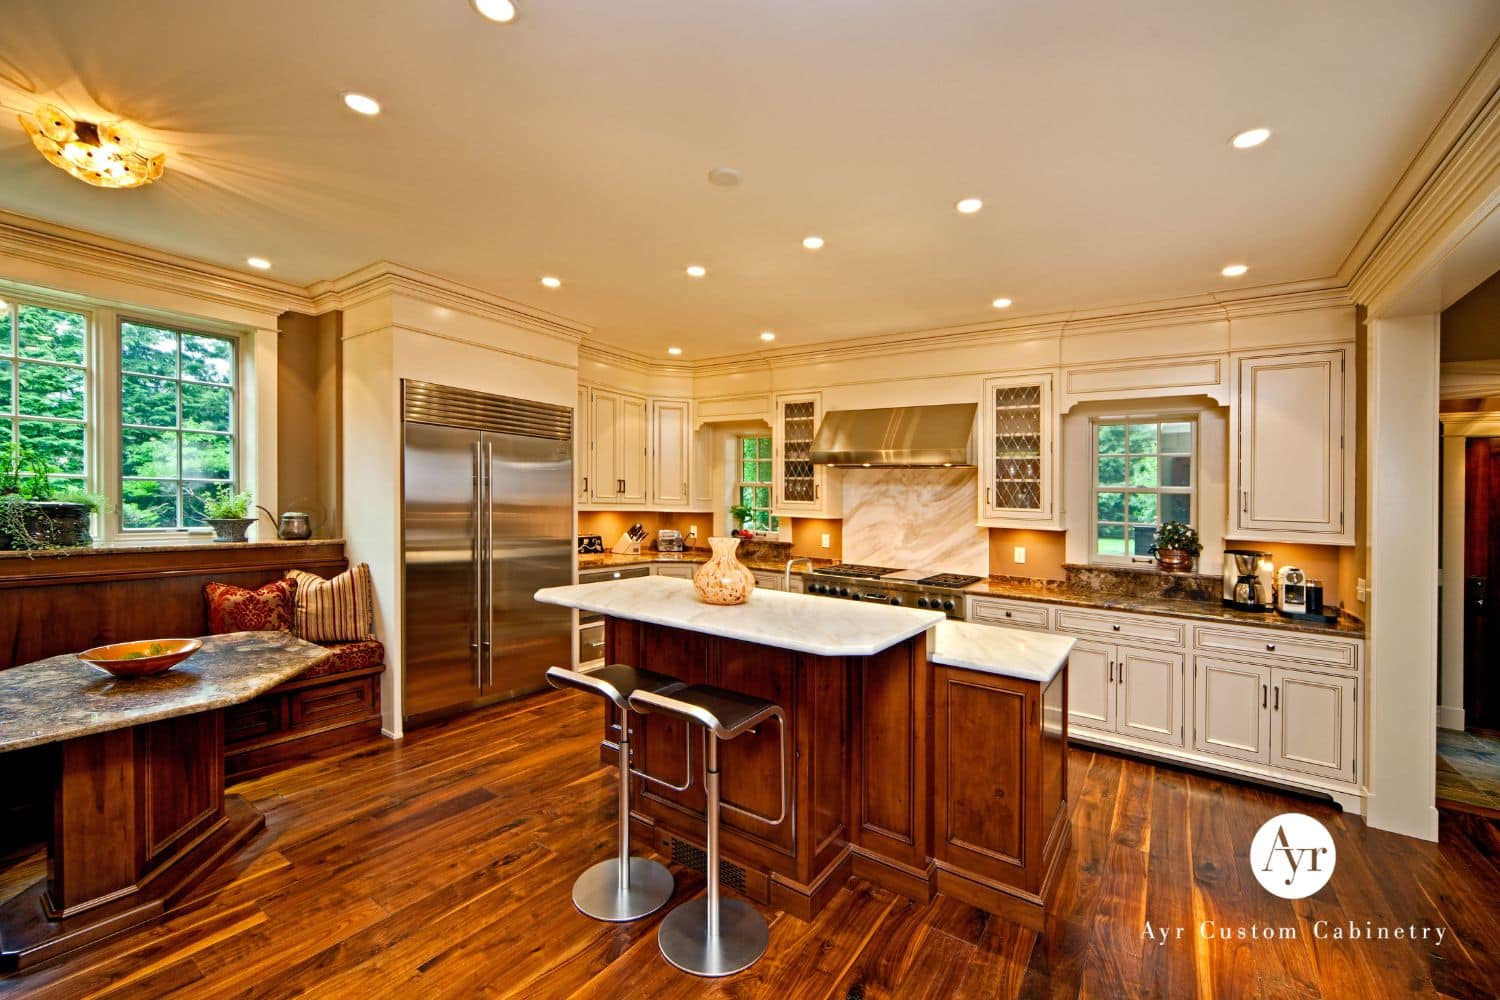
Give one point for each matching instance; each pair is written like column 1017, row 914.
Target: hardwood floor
column 1468, row 772
column 441, row 867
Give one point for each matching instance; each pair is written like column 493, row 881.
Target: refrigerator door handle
column 487, row 565
column 477, row 633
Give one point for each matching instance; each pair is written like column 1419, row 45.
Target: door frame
column 1458, row 428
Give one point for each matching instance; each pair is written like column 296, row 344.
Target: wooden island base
column 920, row 778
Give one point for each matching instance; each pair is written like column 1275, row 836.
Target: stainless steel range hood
column 903, row 437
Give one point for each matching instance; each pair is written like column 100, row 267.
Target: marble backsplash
column 914, row 519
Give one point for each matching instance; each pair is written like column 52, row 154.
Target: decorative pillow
column 235, row 609
column 338, row 610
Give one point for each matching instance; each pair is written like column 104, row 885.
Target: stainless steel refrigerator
column 487, row 519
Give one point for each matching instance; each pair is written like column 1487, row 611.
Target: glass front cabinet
column 1018, row 454
column 802, row 489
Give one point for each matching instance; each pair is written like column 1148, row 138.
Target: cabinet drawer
column 1162, row 631
column 348, row 700
column 1017, row 614
column 1264, row 644
column 679, row 571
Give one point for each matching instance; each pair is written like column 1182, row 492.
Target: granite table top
column 798, row 622
column 1004, row 652
column 63, row 698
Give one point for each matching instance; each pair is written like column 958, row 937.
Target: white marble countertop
column 797, row 622
column 1006, row 652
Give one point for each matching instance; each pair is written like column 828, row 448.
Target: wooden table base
column 139, row 818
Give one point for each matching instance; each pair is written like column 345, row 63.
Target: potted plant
column 743, row 517
column 225, row 512
column 34, row 512
column 1176, row 547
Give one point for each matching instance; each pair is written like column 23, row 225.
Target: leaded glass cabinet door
column 1017, row 450
column 802, row 488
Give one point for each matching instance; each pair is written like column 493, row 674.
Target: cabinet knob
column 1115, row 627
column 1007, row 614
column 1270, row 647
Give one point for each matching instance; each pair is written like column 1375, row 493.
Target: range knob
column 948, row 605
column 921, row 602
column 843, row 591
column 896, row 602
column 857, row 596
column 814, row 588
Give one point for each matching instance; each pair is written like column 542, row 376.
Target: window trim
column 1189, row 417
column 772, row 519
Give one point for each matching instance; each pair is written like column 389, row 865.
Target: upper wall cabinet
column 802, row 488
column 1017, row 454
column 671, row 452
column 617, row 448
column 1291, row 466
column 635, row 452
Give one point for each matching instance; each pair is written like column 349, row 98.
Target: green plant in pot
column 35, row 513
column 743, row 517
column 225, row 511
column 1176, row 547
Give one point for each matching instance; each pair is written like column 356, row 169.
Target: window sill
column 198, row 543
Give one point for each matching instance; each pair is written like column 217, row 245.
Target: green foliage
column 741, row 514
column 24, row 472
column 95, row 502
column 1176, row 535
column 223, row 503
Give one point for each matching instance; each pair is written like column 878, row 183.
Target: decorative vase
column 723, row 579
column 1174, row 560
column 230, row 529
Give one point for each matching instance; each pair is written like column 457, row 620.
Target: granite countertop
column 194, row 546
column 63, row 697
column 797, row 622
column 610, row 560
column 1005, row 652
column 1052, row 592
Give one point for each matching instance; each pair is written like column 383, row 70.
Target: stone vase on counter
column 723, row 579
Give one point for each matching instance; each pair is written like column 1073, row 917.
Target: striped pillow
column 338, row 610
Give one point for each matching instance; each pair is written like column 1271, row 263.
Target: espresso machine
column 1248, row 579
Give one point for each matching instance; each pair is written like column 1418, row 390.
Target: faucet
column 786, row 582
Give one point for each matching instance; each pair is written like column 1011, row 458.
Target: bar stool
column 708, row 936
column 622, row 888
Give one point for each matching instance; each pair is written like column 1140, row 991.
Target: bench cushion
column 235, row 609
column 347, row 656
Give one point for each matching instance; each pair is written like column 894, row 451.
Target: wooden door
column 1313, row 723
column 1291, row 451
column 1148, row 687
column 633, row 449
column 604, row 446
column 669, row 453
column 1232, row 709
column 1091, row 689
column 1481, row 576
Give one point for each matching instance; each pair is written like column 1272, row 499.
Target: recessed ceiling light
column 1253, row 137
column 674, row 351
column 813, row 242
column 969, row 206
column 362, row 104
column 1234, row 270
column 501, row 11
column 551, row 282
column 1001, row 303
column 259, row 263
column 724, row 177
column 767, row 336
column 696, row 270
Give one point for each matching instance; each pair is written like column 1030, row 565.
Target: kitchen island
column 926, row 756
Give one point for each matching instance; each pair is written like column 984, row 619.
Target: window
column 44, row 387
column 1143, row 477
column 754, row 485
column 176, row 424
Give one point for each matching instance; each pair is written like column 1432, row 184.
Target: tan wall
column 308, row 440
column 1471, row 326
column 807, row 537
column 1046, row 551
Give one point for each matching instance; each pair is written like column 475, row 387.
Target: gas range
column 897, row 587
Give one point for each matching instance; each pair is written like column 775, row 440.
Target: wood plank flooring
column 1468, row 772
column 441, row 867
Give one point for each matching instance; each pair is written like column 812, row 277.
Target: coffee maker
column 1248, row 577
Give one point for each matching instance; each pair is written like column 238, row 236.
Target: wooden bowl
column 141, row 659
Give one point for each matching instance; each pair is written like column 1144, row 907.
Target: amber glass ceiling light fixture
column 102, row 154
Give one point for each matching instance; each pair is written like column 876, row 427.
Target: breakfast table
column 139, row 811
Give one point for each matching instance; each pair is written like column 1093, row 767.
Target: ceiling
column 576, row 142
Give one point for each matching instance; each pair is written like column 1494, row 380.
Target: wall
column 309, row 439
column 1046, row 553
column 1471, row 326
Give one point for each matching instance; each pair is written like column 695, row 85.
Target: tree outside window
column 754, row 484
column 44, row 386
column 1143, row 477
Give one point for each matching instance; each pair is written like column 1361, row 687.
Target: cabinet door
column 1091, row 689
column 604, row 448
column 1148, row 687
column 669, row 453
column 582, row 453
column 1016, row 449
column 1232, row 709
column 798, row 483
column 632, row 443
column 766, row 580
column 1313, row 723
column 1291, row 453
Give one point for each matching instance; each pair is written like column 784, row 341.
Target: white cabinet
column 604, row 446
column 680, row 571
column 1133, row 692
column 671, row 444
column 1291, row 471
column 802, row 489
column 633, row 459
column 1017, row 453
column 1091, row 686
column 582, row 440
column 1231, row 710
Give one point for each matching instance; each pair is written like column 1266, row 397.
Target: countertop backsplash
column 914, row 519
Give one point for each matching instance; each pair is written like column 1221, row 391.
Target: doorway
column 1481, row 574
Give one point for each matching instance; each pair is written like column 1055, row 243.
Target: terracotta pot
column 1174, row 560
column 723, row 579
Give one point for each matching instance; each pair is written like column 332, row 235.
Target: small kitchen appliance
column 1291, row 591
column 668, row 540
column 1248, row 578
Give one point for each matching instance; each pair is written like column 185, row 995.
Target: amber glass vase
column 723, row 579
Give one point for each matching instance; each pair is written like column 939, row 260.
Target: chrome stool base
column 685, row 941
column 597, row 892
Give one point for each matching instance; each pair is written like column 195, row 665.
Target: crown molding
column 65, row 249
column 1452, row 181
column 620, row 357
column 1467, row 379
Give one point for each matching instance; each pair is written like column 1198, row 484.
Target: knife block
column 627, row 546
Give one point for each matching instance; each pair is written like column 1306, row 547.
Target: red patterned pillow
column 235, row 609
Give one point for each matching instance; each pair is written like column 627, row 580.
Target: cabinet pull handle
column 1276, row 707
column 987, row 496
column 1121, row 673
column 1111, row 671
column 1263, row 696
column 585, row 484
column 1245, row 501
column 1270, row 647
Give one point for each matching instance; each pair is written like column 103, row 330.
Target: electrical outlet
column 692, row 529
column 1019, row 556
column 827, row 540
column 1361, row 590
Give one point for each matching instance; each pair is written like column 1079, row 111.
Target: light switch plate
column 1019, row 556
column 827, row 540
column 1361, row 590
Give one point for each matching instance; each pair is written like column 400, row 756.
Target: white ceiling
column 576, row 141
